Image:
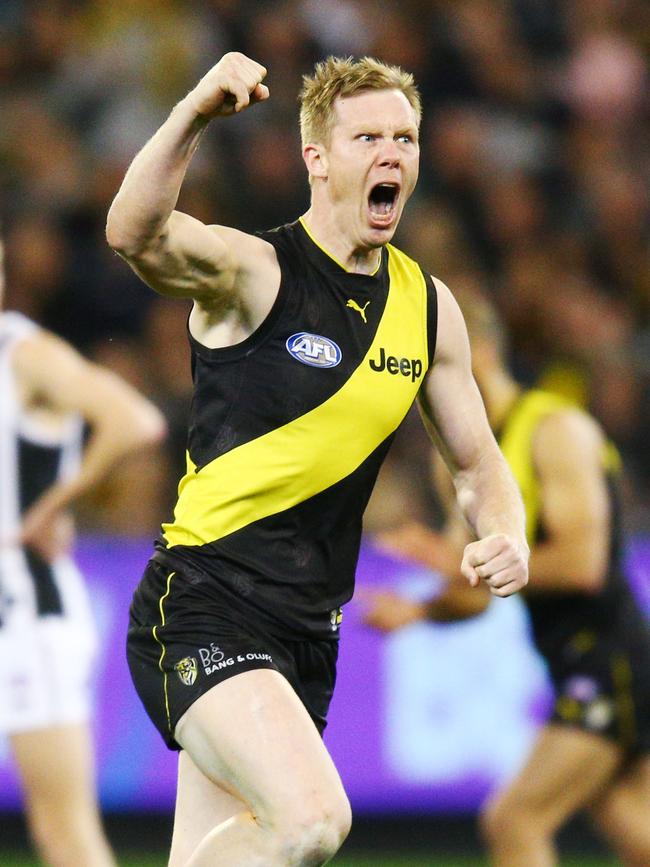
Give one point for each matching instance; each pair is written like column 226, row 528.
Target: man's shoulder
column 285, row 240
column 286, row 233
column 566, row 432
column 398, row 253
column 407, row 262
column 15, row 326
column 12, row 320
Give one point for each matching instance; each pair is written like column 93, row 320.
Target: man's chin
column 379, row 236
column 382, row 231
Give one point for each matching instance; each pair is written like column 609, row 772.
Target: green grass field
column 9, row 860
column 442, row 861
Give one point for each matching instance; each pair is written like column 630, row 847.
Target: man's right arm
column 487, row 493
column 174, row 253
column 52, row 375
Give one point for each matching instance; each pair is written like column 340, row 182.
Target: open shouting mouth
column 382, row 204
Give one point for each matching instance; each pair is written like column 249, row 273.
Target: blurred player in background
column 309, row 345
column 47, row 635
column 594, row 751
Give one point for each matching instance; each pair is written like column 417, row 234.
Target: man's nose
column 389, row 155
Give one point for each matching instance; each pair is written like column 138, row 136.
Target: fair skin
column 358, row 156
column 56, row 764
column 233, row 279
column 58, row 776
column 575, row 511
column 53, row 380
column 568, row 769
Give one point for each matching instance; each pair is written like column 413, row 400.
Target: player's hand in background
column 418, row 543
column 386, row 610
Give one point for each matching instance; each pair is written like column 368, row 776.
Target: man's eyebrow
column 371, row 128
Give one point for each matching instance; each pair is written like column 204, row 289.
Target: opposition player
column 309, row 345
column 594, row 752
column 47, row 636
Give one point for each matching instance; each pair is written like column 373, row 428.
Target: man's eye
column 366, row 136
column 405, row 138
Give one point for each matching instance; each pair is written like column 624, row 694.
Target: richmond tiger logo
column 186, row 669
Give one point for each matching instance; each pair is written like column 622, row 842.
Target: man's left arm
column 574, row 505
column 486, row 491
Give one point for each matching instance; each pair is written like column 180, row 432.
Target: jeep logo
column 411, row 367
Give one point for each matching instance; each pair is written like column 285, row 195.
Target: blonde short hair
column 344, row 76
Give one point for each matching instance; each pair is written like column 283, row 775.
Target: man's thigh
column 57, row 767
column 565, row 771
column 252, row 737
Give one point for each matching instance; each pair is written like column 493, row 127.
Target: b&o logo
column 314, row 350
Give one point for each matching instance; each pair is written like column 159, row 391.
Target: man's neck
column 325, row 232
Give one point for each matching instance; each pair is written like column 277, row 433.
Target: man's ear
column 315, row 157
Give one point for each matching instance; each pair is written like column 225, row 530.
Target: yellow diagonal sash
column 306, row 456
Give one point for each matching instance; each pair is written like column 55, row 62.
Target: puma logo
column 360, row 310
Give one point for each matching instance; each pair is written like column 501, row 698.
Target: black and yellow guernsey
column 288, row 430
column 557, row 615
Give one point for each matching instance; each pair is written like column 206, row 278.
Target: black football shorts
column 180, row 645
column 601, row 680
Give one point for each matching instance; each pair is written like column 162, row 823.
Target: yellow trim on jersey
column 308, row 455
column 612, row 459
column 622, row 680
column 302, row 222
column 516, row 442
column 162, row 646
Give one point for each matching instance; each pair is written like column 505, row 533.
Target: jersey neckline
column 329, row 262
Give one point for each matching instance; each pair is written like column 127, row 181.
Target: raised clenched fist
column 233, row 84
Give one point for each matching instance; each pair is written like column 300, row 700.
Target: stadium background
column 534, row 186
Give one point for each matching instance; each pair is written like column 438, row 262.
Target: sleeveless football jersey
column 288, row 430
column 552, row 614
column 32, row 457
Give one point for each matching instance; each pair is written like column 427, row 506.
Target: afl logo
column 314, row 350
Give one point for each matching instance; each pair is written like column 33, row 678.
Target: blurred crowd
column 534, row 187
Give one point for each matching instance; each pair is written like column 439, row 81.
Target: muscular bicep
column 187, row 259
column 450, row 401
column 221, row 268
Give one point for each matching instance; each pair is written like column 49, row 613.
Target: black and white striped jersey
column 36, row 450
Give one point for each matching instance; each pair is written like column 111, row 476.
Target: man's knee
column 504, row 817
column 631, row 840
column 315, row 830
column 635, row 852
column 492, row 820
